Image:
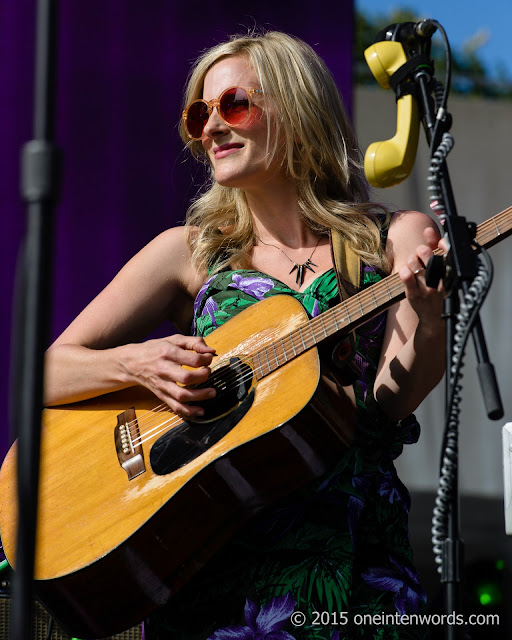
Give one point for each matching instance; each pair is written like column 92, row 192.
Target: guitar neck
column 358, row 309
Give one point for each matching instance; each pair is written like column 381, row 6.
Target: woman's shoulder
column 169, row 254
column 405, row 219
column 165, row 251
column 406, row 233
column 171, row 238
column 406, row 226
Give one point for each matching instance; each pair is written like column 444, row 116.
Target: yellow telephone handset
column 391, row 161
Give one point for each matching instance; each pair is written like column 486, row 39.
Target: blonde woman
column 264, row 114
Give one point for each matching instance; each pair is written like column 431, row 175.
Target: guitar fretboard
column 360, row 308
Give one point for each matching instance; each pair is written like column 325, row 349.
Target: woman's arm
column 413, row 353
column 99, row 352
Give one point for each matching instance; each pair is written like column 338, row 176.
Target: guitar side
column 110, row 550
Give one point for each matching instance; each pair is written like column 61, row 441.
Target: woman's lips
column 227, row 149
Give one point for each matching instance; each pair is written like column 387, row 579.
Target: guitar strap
column 347, row 266
column 338, row 368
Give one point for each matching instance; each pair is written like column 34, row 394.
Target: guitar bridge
column 128, row 447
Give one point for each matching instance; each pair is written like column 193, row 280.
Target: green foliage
column 469, row 74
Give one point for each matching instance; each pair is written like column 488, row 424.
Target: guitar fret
column 256, row 366
column 285, row 355
column 310, row 340
column 261, row 365
column 323, row 325
column 275, row 353
column 292, row 342
column 335, row 321
column 374, row 298
column 360, row 305
column 498, row 232
column 385, row 281
column 302, row 338
column 265, row 351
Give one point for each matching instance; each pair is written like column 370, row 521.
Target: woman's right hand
column 159, row 366
column 102, row 350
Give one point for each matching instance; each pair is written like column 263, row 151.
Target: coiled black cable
column 434, row 185
column 469, row 309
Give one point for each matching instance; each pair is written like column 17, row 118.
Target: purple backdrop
column 122, row 66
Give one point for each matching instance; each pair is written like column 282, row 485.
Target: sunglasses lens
column 197, row 117
column 234, row 105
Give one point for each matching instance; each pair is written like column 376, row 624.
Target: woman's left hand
column 412, row 359
column 426, row 301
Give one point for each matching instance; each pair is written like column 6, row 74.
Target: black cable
column 470, row 308
column 441, row 110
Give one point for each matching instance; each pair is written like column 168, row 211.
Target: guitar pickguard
column 187, row 441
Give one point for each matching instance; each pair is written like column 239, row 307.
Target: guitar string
column 493, row 226
column 483, row 233
column 331, row 325
column 280, row 352
column 176, row 420
column 163, row 408
column 235, row 376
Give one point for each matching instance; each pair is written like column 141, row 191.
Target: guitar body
column 121, row 527
column 112, row 549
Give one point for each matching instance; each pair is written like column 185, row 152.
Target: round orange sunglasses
column 233, row 106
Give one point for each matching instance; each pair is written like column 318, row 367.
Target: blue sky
column 489, row 21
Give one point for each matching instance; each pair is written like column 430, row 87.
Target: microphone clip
column 401, row 80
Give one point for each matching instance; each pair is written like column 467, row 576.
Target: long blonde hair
column 321, row 155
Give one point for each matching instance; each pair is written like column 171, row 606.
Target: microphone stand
column 463, row 262
column 39, row 178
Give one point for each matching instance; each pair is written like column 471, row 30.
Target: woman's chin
column 233, row 180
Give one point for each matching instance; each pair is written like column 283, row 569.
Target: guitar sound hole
column 232, row 383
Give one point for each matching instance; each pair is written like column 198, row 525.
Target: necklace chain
column 301, row 268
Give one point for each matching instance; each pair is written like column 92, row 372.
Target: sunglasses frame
column 215, row 103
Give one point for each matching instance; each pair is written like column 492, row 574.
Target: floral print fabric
column 338, row 546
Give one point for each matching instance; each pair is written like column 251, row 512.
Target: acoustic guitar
column 134, row 500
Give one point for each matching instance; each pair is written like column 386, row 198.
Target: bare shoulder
column 167, row 257
column 171, row 243
column 157, row 284
column 406, row 233
column 404, row 222
column 174, row 237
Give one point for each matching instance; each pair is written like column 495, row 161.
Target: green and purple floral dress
column 311, row 567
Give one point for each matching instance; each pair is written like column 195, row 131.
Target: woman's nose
column 215, row 125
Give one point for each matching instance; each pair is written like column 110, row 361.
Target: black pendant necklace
column 301, row 268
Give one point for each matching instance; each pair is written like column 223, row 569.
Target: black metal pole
column 39, row 176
